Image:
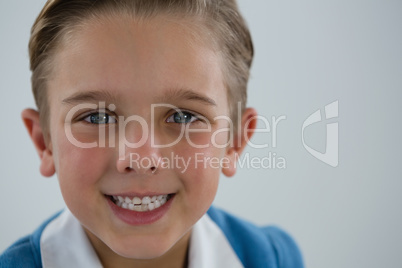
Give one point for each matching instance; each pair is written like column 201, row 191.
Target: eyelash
column 193, row 117
column 171, row 119
column 88, row 117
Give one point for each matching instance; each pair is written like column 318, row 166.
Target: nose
column 141, row 157
column 138, row 163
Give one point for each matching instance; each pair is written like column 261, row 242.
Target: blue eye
column 182, row 118
column 100, row 118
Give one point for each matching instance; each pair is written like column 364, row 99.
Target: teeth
column 136, row 201
column 147, row 203
column 146, row 200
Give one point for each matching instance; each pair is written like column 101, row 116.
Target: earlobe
column 243, row 135
column 229, row 169
column 31, row 121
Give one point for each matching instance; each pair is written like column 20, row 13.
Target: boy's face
column 132, row 66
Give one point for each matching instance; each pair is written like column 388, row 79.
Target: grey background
column 308, row 54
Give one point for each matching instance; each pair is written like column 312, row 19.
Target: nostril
column 151, row 169
column 128, row 169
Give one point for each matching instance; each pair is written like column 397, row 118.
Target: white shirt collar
column 209, row 247
column 64, row 243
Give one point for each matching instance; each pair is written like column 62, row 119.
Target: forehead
column 124, row 56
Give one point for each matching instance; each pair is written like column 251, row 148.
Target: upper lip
column 140, row 195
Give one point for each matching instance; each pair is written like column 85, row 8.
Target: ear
column 244, row 133
column 30, row 118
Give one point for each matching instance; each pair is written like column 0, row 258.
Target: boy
column 137, row 108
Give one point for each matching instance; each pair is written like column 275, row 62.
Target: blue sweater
column 255, row 246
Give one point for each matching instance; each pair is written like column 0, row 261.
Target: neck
column 176, row 257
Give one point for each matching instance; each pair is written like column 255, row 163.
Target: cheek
column 218, row 137
column 203, row 153
column 199, row 170
column 79, row 170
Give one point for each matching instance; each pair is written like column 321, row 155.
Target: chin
column 141, row 251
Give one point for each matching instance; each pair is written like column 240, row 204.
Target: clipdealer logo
column 107, row 136
column 330, row 156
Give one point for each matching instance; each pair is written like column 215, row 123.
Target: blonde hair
column 58, row 18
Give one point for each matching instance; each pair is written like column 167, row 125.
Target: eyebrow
column 186, row 94
column 88, row 97
column 94, row 96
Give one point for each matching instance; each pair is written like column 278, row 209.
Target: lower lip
column 139, row 218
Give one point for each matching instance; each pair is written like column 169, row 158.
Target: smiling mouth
column 146, row 203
